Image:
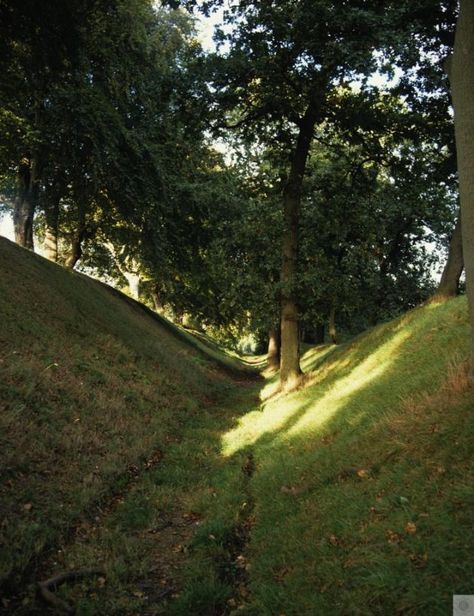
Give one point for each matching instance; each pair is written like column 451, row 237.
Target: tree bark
column 76, row 244
column 25, row 203
column 290, row 370
column 76, row 251
column 461, row 73
column 133, row 281
column 51, row 232
column 50, row 247
column 155, row 294
column 274, row 348
column 449, row 283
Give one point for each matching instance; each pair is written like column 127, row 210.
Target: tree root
column 47, row 588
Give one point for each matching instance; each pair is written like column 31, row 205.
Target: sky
column 205, row 28
column 6, row 227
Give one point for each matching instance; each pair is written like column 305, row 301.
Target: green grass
column 90, row 385
column 364, row 489
column 126, row 446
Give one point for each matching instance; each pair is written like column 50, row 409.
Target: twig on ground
column 46, row 587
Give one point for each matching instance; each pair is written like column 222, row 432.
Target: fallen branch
column 47, row 587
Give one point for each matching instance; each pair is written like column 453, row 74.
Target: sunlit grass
column 342, row 389
column 326, row 398
column 362, row 498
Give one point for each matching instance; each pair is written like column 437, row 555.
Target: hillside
column 93, row 389
column 162, row 483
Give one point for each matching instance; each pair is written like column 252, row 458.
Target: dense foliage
column 110, row 112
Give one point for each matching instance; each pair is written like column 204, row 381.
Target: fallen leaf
column 410, row 528
column 333, row 540
column 290, row 490
column 392, row 537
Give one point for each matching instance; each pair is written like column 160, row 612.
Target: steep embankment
column 95, row 395
column 364, row 490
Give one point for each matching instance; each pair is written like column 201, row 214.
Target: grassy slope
column 356, row 493
column 93, row 390
column 364, row 491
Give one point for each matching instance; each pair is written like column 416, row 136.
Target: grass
column 91, row 387
column 364, row 485
column 128, row 449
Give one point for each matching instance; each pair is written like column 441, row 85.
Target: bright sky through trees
column 6, row 227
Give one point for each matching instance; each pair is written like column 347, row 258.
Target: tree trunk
column 76, row 251
column 449, row 283
column 50, row 247
column 461, row 73
column 290, row 370
column 320, row 331
column 25, row 203
column 155, row 294
column 332, row 323
column 76, row 245
column 274, row 348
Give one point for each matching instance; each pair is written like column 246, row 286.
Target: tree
column 369, row 208
column 39, row 50
column 449, row 283
column 461, row 75
column 104, row 124
column 284, row 62
column 280, row 80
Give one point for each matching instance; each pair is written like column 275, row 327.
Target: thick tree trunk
column 128, row 267
column 155, row 294
column 76, row 252
column 25, row 203
column 461, row 73
column 50, row 246
column 274, row 348
column 332, row 324
column 290, row 370
column 449, row 283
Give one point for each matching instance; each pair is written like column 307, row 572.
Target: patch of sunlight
column 315, row 354
column 255, row 425
column 308, row 361
column 370, row 369
column 269, row 390
column 310, row 408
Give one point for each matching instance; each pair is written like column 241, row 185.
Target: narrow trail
column 238, row 564
column 167, row 543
